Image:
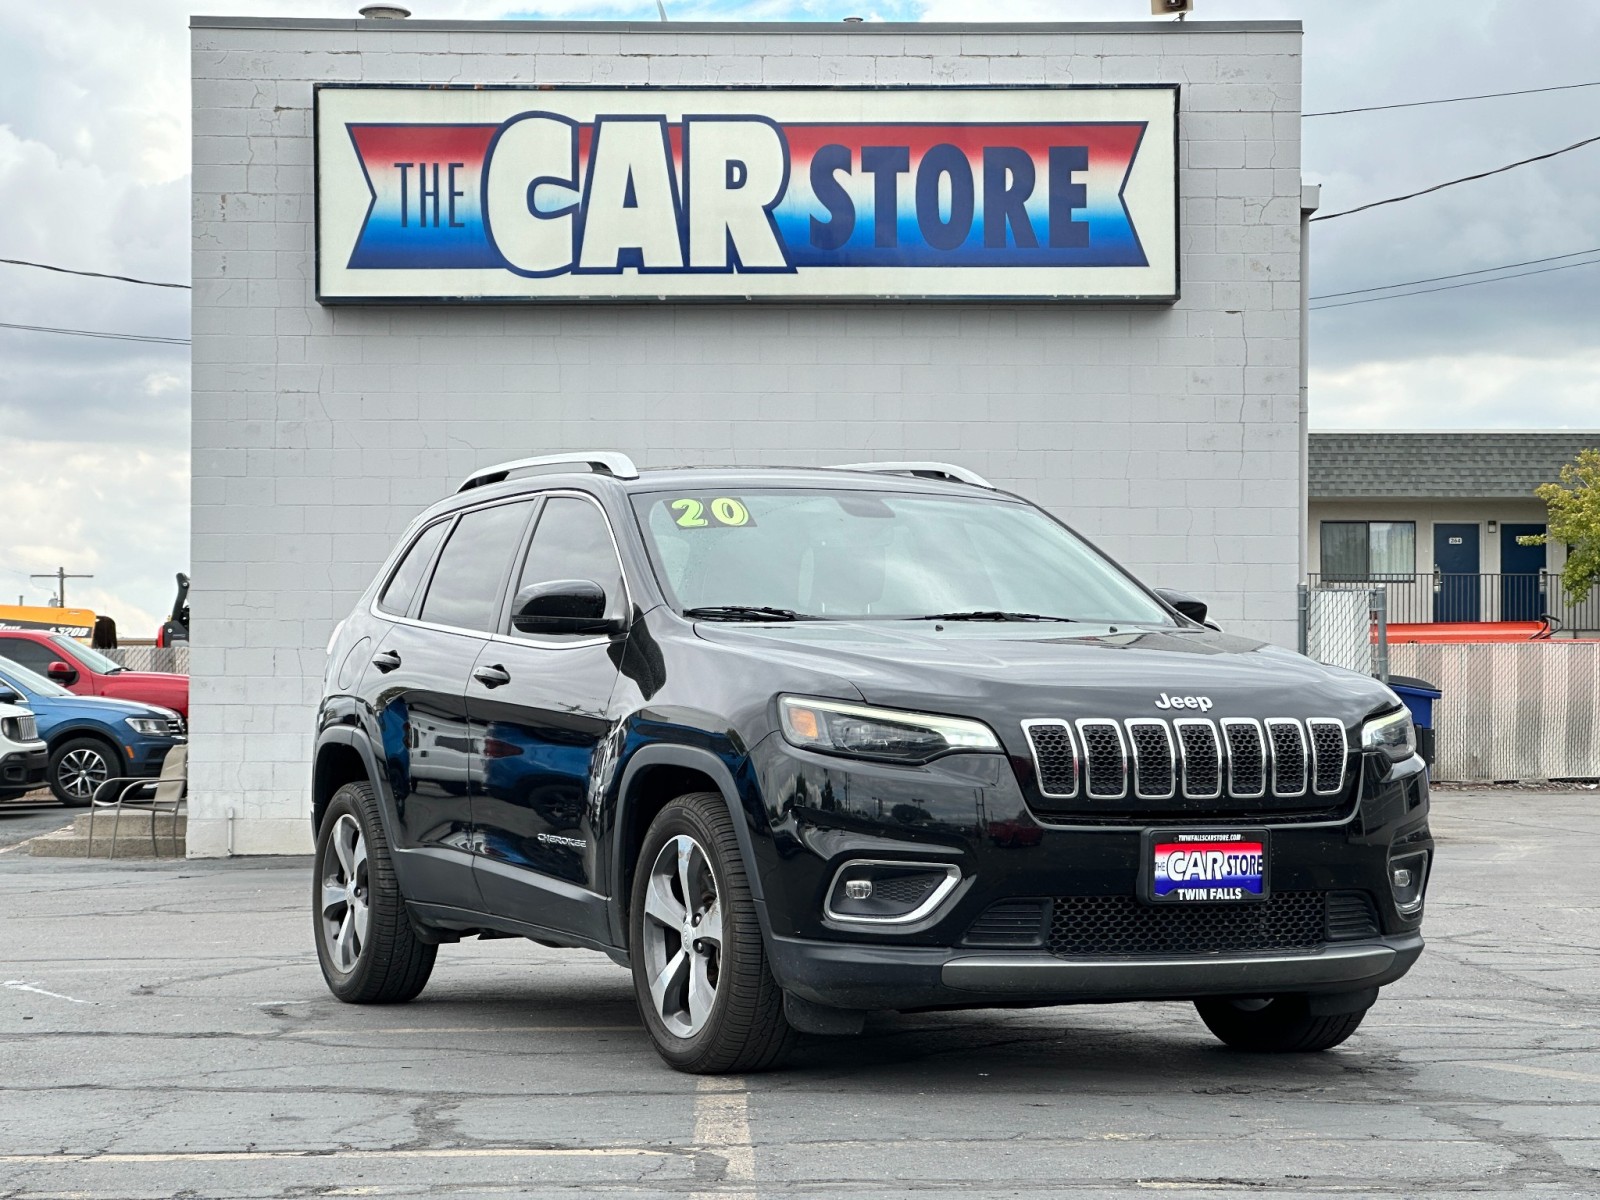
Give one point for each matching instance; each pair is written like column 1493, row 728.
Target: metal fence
column 1439, row 597
column 1511, row 711
column 1345, row 627
column 173, row 659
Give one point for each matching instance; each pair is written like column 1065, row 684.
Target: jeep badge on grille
column 1203, row 703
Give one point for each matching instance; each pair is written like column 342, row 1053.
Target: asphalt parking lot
column 165, row 1032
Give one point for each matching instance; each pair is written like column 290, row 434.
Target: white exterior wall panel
column 1168, row 434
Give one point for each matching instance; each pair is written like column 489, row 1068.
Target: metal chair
column 169, row 791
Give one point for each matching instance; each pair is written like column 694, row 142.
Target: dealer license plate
column 1197, row 866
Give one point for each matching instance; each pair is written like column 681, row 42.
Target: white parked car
column 23, row 755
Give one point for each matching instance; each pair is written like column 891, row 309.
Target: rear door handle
column 492, row 676
column 386, row 661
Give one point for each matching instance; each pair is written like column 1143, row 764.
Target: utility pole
column 60, row 576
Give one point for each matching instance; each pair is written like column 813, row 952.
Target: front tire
column 700, row 970
column 369, row 952
column 1275, row 1025
column 78, row 768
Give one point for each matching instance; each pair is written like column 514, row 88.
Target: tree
column 1574, row 507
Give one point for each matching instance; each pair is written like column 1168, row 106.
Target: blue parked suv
column 92, row 739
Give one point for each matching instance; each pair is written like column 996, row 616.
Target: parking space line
column 722, row 1126
column 1547, row 1072
column 279, row 1155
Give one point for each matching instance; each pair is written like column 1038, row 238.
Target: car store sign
column 503, row 194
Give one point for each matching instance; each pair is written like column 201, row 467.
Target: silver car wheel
column 345, row 903
column 682, row 936
column 82, row 772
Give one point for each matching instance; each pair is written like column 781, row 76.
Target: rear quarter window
column 398, row 593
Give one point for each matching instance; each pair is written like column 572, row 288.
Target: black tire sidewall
column 1284, row 1026
column 680, row 818
column 112, row 759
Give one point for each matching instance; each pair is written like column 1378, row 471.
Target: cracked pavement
column 164, row 1031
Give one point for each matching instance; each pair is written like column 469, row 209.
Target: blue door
column 1522, row 592
column 1455, row 557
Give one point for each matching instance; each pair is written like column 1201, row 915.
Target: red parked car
column 86, row 672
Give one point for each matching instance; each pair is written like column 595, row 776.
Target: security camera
column 1171, row 8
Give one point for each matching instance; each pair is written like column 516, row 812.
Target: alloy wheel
column 82, row 772
column 682, row 936
column 345, row 903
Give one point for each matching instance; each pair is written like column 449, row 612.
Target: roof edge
column 866, row 27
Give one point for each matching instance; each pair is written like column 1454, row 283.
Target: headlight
column 149, row 726
column 889, row 734
column 1392, row 733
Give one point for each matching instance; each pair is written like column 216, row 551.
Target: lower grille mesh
column 1123, row 925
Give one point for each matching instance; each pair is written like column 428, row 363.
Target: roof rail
column 923, row 470
column 601, row 462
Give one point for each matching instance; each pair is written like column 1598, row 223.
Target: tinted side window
column 465, row 591
column 33, row 655
column 573, row 541
column 402, row 586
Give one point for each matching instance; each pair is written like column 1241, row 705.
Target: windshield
column 93, row 659
column 23, row 680
column 880, row 555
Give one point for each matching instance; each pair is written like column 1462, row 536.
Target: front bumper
column 24, row 767
column 862, row 976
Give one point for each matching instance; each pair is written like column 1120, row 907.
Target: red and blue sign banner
column 505, row 194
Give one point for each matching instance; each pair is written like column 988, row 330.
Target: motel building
column 1065, row 256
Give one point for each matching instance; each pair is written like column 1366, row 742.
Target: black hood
column 1006, row 673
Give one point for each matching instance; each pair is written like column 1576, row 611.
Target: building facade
column 1436, row 518
column 1168, row 430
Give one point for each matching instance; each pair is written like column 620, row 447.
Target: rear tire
column 78, row 767
column 369, row 952
column 1275, row 1025
column 700, row 970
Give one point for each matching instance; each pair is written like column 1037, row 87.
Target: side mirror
column 62, row 673
column 563, row 606
column 1186, row 605
column 7, row 696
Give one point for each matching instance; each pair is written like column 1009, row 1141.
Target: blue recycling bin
column 1419, row 696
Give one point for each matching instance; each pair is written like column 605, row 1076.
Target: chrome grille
column 27, row 729
column 1328, row 753
column 1201, row 750
column 1198, row 758
column 1055, row 758
column 1247, row 758
column 1155, row 767
column 1105, row 759
column 1288, row 757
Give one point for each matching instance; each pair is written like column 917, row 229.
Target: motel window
column 1363, row 550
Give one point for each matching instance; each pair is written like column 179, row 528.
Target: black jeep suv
column 795, row 745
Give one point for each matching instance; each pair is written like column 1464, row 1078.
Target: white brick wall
column 1168, row 435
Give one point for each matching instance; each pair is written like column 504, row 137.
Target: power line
column 1593, row 262
column 96, row 333
column 1560, row 87
column 1464, row 179
column 1383, row 287
column 22, row 262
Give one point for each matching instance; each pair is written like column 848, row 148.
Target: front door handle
column 386, row 661
column 492, row 676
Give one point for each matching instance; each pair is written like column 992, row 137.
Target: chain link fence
column 1346, row 627
column 1511, row 711
column 171, row 659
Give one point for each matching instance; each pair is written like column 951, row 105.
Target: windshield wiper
column 992, row 614
column 741, row 612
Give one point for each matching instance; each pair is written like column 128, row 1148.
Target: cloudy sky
column 94, row 162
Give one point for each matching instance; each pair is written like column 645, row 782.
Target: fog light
column 872, row 891
column 1408, row 875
